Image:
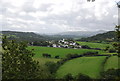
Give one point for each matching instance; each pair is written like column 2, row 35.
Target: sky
column 54, row 16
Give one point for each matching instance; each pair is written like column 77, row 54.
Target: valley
column 88, row 58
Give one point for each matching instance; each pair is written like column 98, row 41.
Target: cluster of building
column 66, row 44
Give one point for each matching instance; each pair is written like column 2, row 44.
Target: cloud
column 53, row 16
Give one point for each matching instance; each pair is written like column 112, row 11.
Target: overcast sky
column 53, row 16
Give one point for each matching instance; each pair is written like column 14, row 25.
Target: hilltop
column 25, row 36
column 81, row 33
column 108, row 37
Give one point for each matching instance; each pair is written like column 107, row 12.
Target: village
column 64, row 44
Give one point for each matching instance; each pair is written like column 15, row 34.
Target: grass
column 95, row 45
column 108, row 53
column 90, row 66
column 112, row 62
column 62, row 52
column 42, row 60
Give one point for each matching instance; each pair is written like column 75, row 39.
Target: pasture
column 95, row 45
column 112, row 63
column 91, row 66
column 42, row 60
column 62, row 52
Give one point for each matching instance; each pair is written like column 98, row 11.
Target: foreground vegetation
column 17, row 62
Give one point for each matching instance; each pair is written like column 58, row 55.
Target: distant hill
column 25, row 36
column 80, row 33
column 31, row 36
column 108, row 36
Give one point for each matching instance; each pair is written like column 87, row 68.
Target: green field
column 62, row 52
column 42, row 60
column 95, row 45
column 112, row 62
column 90, row 66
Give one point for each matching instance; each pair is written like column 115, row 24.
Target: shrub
column 46, row 55
column 52, row 67
column 90, row 53
column 112, row 50
column 85, row 47
column 107, row 47
column 72, row 56
column 82, row 77
column 57, row 57
column 68, row 77
column 97, row 48
column 111, row 74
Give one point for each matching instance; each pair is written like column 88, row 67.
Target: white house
column 59, row 46
column 71, row 43
column 54, row 45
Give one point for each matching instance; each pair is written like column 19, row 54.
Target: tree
column 117, row 44
column 112, row 50
column 52, row 67
column 83, row 77
column 17, row 62
column 68, row 77
column 107, row 47
column 118, row 38
column 111, row 75
column 85, row 47
column 57, row 57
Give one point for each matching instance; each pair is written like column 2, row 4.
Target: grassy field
column 62, row 52
column 95, row 45
column 42, row 60
column 90, row 66
column 112, row 62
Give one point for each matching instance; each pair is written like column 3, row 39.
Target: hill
column 27, row 36
column 80, row 33
column 108, row 36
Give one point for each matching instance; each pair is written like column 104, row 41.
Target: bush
column 85, row 47
column 112, row 50
column 107, row 47
column 90, row 53
column 62, row 61
column 68, row 77
column 82, row 77
column 46, row 55
column 57, row 57
column 97, row 49
column 71, row 56
column 52, row 67
column 111, row 74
